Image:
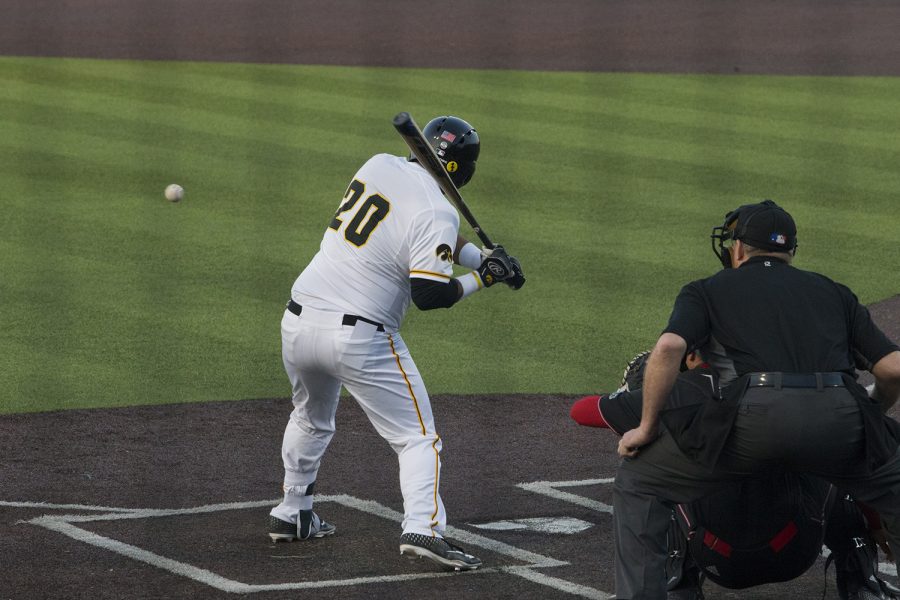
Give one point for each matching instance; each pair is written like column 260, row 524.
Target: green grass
column 605, row 185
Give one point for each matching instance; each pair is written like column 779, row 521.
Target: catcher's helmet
column 457, row 145
column 764, row 225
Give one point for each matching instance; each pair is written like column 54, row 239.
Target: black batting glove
column 517, row 280
column 497, row 266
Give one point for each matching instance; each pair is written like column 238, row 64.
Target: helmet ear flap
column 461, row 174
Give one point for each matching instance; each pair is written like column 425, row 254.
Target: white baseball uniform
column 393, row 224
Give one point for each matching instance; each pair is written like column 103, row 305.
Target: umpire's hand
column 631, row 442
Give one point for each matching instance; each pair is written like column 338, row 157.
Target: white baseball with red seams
column 393, row 224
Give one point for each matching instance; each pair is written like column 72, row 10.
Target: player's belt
column 347, row 320
column 796, row 380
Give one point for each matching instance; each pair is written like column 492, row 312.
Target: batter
column 394, row 239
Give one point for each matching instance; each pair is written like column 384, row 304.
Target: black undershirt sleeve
column 428, row 294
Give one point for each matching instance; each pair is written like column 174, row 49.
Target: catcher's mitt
column 633, row 378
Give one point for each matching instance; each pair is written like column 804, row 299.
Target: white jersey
column 393, row 223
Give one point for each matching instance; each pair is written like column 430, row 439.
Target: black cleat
column 309, row 526
column 438, row 550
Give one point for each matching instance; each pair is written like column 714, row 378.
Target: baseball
column 174, row 192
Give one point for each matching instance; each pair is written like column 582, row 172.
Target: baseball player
column 394, row 239
column 758, row 531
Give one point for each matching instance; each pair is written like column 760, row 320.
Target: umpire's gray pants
column 801, row 430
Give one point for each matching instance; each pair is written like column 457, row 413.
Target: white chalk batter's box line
column 65, row 524
column 554, row 489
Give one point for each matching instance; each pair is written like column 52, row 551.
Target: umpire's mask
column 723, row 237
column 764, row 225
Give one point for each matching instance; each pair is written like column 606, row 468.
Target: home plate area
column 209, row 545
column 156, row 506
column 221, row 548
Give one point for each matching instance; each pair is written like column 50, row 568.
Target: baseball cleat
column 281, row 531
column 438, row 550
column 309, row 526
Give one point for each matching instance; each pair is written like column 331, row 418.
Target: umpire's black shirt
column 769, row 316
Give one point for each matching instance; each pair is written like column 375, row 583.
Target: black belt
column 796, row 380
column 348, row 319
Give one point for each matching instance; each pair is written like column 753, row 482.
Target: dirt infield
column 169, row 502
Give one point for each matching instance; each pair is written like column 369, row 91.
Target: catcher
column 757, row 531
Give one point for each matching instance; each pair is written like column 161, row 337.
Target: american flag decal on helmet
column 448, row 136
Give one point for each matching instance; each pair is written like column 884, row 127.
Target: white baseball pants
column 321, row 354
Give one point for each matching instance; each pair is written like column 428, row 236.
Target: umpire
column 783, row 341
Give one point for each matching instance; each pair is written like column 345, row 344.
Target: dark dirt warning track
column 170, row 501
column 803, row 37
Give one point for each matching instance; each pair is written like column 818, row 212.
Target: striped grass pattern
column 605, row 186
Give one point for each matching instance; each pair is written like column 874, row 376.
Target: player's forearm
column 467, row 254
column 468, row 284
column 662, row 369
column 887, row 380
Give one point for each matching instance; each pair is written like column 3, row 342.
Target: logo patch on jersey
column 448, row 136
column 452, row 166
column 444, row 252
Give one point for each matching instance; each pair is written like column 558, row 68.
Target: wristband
column 470, row 256
column 470, row 283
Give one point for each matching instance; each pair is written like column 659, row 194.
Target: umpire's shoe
column 874, row 589
column 309, row 525
column 439, row 550
column 689, row 588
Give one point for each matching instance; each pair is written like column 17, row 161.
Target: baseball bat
column 424, row 153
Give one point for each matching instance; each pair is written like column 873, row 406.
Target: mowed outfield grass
column 604, row 185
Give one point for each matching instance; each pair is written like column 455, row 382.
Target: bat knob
column 401, row 118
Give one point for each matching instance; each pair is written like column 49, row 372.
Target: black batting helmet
column 457, row 145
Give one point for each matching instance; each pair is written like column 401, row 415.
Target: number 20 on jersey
column 367, row 215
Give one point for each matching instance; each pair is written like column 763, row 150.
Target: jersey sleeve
column 865, row 336
column 432, row 241
column 690, row 317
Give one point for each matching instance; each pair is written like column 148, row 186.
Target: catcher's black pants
column 802, row 430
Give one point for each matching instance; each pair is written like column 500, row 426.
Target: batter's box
column 205, row 526
column 562, row 490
